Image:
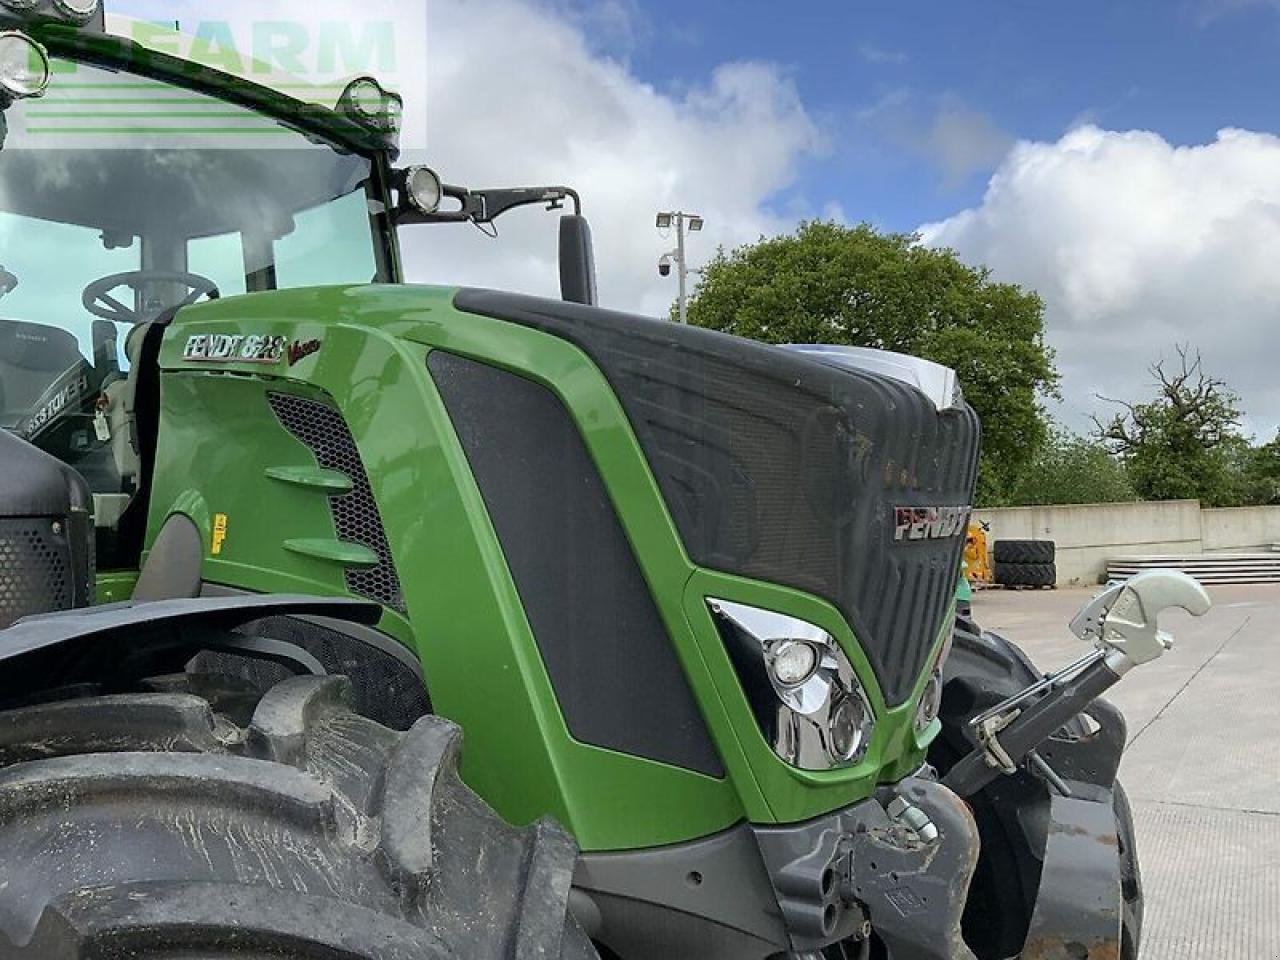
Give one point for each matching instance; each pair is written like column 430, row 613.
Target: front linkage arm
column 1121, row 623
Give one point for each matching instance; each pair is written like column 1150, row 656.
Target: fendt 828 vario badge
column 234, row 348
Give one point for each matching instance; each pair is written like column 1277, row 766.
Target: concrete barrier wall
column 1088, row 535
column 1240, row 529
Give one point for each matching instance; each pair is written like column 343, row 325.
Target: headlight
column 850, row 728
column 930, row 704
column 24, row 66
column 423, row 190
column 78, row 11
column 365, row 101
column 792, row 662
column 802, row 688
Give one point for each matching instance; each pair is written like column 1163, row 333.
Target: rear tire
column 153, row 826
column 1026, row 574
column 1024, row 551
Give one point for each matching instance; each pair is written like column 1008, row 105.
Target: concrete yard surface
column 1202, row 768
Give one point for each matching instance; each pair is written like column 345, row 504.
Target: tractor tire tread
column 1026, row 574
column 1133, row 899
column 151, row 826
column 1025, row 551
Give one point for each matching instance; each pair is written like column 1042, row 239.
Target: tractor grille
column 323, row 431
column 777, row 467
column 386, row 689
column 35, row 569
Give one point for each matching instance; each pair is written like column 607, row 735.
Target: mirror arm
column 494, row 203
column 485, row 206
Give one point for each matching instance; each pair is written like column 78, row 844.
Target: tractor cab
column 114, row 215
column 134, row 183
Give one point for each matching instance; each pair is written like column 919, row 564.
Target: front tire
column 1132, row 902
column 152, row 826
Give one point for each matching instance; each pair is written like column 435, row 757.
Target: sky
column 1118, row 157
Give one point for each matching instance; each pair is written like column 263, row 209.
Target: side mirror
column 421, row 194
column 577, row 261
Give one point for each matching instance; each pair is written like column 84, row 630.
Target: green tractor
column 277, row 530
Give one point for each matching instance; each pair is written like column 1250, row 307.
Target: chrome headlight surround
column 823, row 721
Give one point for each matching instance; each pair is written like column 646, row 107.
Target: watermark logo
column 302, row 52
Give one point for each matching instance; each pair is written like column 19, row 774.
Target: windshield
column 122, row 197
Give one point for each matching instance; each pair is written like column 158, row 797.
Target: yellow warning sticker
column 219, row 533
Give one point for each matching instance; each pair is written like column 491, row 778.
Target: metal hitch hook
column 1121, row 621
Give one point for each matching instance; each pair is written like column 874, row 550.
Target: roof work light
column 370, row 105
column 87, row 14
column 24, row 67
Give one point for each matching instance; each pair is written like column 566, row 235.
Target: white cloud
column 534, row 105
column 519, row 93
column 1136, row 244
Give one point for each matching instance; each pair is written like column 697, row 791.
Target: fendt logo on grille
column 930, row 523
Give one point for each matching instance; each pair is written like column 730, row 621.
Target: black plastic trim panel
column 608, row 653
column 322, row 429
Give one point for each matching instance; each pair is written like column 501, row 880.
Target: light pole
column 695, row 224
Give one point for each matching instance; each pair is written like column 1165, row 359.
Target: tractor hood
column 825, row 472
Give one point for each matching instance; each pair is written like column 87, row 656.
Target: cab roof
column 298, row 107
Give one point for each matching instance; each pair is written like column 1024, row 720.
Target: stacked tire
column 1026, row 563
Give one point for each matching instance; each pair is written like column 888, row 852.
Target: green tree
column 1070, row 468
column 828, row 283
column 1259, row 470
column 1185, row 443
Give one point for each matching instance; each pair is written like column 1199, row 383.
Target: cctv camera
column 664, row 268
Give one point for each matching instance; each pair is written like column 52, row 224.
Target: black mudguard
column 1057, row 876
column 112, row 647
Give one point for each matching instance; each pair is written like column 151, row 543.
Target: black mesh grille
column 587, row 601
column 386, row 689
column 778, row 467
column 35, row 569
column 322, row 429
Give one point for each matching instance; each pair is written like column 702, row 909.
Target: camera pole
column 680, row 220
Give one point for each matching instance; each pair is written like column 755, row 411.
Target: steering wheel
column 99, row 301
